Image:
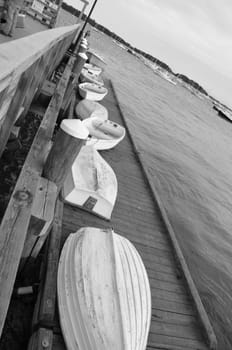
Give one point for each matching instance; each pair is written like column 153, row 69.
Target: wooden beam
column 15, row 222
column 42, row 141
column 41, row 340
column 13, row 233
column 48, row 301
column 78, row 66
column 41, row 219
column 10, row 118
column 30, row 48
column 19, row 70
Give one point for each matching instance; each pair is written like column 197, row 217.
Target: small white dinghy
column 93, row 69
column 92, row 91
column 87, row 109
column 88, row 77
column 104, row 295
column 91, row 184
column 105, row 134
column 95, row 59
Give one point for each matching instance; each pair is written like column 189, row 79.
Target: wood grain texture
column 41, row 340
column 8, row 120
column 48, row 298
column 42, row 214
column 21, row 75
column 61, row 157
column 15, row 222
column 73, row 81
column 13, row 231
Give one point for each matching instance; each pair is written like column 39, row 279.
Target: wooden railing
column 24, row 65
column 19, row 82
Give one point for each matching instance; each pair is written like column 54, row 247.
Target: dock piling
column 78, row 65
column 68, row 142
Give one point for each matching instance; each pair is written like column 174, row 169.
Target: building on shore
column 45, row 11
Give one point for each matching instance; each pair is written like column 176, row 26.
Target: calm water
column 188, row 149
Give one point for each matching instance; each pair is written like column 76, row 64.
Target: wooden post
column 40, row 222
column 12, row 235
column 78, row 65
column 41, row 340
column 46, row 314
column 86, row 3
column 66, row 147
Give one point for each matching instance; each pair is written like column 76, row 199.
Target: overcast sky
column 193, row 37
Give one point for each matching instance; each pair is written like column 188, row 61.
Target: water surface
column 188, row 149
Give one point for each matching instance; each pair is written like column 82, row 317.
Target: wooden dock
column 175, row 323
column 179, row 320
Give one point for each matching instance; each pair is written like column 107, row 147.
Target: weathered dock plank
column 21, row 75
column 159, row 341
column 48, row 300
column 14, row 225
column 13, row 233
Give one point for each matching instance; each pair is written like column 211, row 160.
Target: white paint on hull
column 87, row 109
column 89, row 77
column 91, row 184
column 92, row 91
column 103, row 292
column 93, row 69
column 105, row 134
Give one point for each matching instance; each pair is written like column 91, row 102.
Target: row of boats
column 104, row 296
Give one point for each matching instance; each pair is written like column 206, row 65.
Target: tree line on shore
column 132, row 49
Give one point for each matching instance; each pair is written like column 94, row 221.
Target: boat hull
column 103, row 292
column 91, row 184
column 104, row 134
column 92, row 91
column 93, row 69
column 87, row 76
column 96, row 60
column 87, row 109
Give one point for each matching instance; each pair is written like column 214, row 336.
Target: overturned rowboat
column 92, row 91
column 103, row 292
column 91, row 184
column 88, row 77
column 87, row 109
column 105, row 134
column 92, row 68
column 96, row 59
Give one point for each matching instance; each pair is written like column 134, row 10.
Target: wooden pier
column 175, row 323
column 179, row 321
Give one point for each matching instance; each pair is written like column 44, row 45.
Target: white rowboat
column 87, row 109
column 92, row 91
column 93, row 69
column 91, row 184
column 88, row 77
column 95, row 59
column 103, row 292
column 105, row 134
